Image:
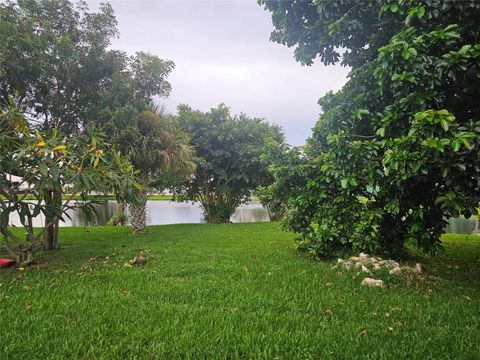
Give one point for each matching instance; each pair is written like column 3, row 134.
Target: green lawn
column 231, row 291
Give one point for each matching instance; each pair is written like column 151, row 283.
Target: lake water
column 462, row 226
column 158, row 213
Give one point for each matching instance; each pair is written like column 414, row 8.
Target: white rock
column 377, row 266
column 372, row 282
column 395, row 271
column 418, row 268
column 340, row 261
column 365, row 269
column 392, row 264
column 363, row 255
column 358, row 265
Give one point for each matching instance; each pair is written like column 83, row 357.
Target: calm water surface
column 158, row 213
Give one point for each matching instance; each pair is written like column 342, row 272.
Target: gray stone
column 372, row 282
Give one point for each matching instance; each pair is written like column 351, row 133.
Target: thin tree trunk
column 118, row 219
column 4, row 218
column 53, row 199
column 120, row 213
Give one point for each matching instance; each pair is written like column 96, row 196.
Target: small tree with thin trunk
column 35, row 164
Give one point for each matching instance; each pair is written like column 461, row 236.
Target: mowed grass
column 229, row 292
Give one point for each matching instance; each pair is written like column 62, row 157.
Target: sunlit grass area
column 231, row 291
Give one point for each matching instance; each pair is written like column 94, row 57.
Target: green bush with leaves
column 396, row 151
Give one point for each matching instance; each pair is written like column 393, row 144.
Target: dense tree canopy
column 54, row 56
column 229, row 158
column 396, row 150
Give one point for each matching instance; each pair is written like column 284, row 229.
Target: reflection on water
column 158, row 213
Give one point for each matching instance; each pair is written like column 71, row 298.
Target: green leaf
column 43, row 169
column 344, row 183
column 421, row 12
column 455, row 145
column 466, row 143
column 444, row 124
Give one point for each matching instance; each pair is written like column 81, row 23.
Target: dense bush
column 395, row 152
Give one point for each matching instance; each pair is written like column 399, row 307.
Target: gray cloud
column 222, row 53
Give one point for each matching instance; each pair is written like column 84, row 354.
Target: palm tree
column 162, row 156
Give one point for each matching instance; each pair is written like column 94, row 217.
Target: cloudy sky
column 222, row 54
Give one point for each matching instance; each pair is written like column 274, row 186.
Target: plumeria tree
column 34, row 164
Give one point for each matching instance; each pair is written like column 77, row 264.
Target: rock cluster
column 367, row 264
column 364, row 262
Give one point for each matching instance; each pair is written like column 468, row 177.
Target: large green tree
column 229, row 159
column 54, row 55
column 126, row 112
column 395, row 152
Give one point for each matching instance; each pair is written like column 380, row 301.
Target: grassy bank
column 231, row 291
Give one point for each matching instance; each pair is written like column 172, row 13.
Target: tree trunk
column 119, row 218
column 217, row 210
column 120, row 213
column 54, row 200
column 138, row 214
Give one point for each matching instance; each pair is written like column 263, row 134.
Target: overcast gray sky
column 222, row 53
